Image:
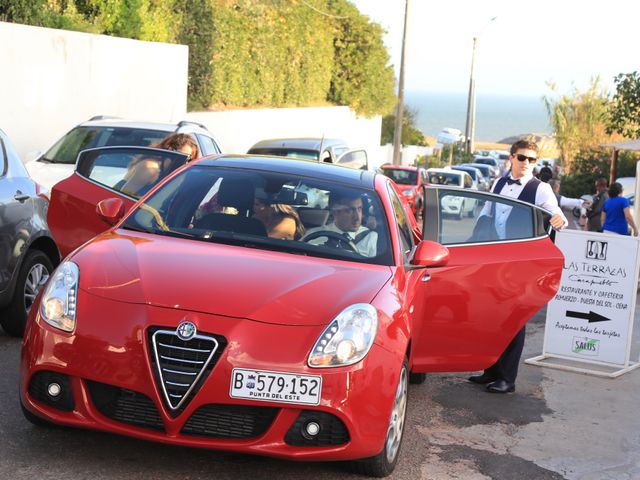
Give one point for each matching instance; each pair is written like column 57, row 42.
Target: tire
column 385, row 462
column 33, row 418
column 34, row 273
column 417, row 378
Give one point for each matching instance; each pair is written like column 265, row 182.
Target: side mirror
column 430, row 254
column 111, row 210
column 356, row 159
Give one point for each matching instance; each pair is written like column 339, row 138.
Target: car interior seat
column 239, row 195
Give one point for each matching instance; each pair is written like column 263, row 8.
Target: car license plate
column 276, row 386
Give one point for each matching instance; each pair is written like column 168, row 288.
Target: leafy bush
column 245, row 52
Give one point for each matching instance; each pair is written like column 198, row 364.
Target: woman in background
column 616, row 215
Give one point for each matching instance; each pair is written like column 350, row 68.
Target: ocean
column 497, row 116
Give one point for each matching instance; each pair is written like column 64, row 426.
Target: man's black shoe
column 482, row 379
column 501, row 386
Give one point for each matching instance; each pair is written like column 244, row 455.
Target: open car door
column 356, row 159
column 127, row 173
column 467, row 312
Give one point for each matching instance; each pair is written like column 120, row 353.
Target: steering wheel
column 156, row 216
column 336, row 236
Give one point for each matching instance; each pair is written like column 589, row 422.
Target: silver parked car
column 28, row 253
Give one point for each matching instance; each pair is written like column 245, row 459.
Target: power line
column 323, row 13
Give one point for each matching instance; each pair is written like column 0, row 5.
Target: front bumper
column 113, row 387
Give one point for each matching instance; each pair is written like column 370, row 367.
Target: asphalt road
column 557, row 425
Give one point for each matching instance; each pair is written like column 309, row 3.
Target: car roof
column 302, row 143
column 306, row 168
column 444, row 170
column 107, row 122
column 399, row 167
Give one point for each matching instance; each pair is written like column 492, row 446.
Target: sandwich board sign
column 590, row 319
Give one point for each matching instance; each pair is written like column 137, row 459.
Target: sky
column 529, row 43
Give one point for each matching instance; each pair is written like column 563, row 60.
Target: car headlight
column 347, row 339
column 409, row 192
column 58, row 305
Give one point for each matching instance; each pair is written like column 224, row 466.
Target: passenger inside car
column 281, row 220
column 141, row 175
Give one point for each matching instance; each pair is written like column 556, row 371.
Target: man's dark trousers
column 506, row 368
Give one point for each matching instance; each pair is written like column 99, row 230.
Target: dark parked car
column 326, row 150
column 28, row 254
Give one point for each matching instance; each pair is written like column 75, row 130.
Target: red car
column 410, row 181
column 187, row 322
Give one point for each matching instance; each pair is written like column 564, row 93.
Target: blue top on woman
column 615, row 220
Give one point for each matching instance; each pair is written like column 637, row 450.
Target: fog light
column 311, row 429
column 54, row 389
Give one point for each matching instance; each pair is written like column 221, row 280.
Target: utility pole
column 397, row 134
column 471, row 104
column 470, row 124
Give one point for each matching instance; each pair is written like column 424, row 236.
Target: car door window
column 207, row 145
column 469, row 217
column 126, row 170
column 404, row 229
column 468, row 183
column 3, row 159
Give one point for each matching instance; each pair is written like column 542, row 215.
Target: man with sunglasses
column 519, row 183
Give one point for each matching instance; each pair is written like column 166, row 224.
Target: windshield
column 82, row 138
column 286, row 152
column 486, row 161
column 269, row 211
column 444, row 178
column 401, row 177
column 471, row 171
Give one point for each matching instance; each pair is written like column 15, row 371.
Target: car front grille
column 125, row 406
column 182, row 366
column 230, row 421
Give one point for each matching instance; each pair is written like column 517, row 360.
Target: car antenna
column 320, row 148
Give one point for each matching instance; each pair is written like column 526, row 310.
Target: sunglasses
column 524, row 158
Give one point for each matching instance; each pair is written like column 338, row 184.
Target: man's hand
column 557, row 221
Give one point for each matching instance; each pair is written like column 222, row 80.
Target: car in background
column 58, row 162
column 185, row 323
column 410, row 181
column 492, row 162
column 28, row 253
column 324, row 150
column 480, row 182
column 487, row 170
column 629, row 190
column 457, row 206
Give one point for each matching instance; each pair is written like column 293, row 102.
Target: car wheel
column 34, row 419
column 384, row 463
column 34, row 273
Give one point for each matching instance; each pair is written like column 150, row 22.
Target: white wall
column 54, row 79
column 408, row 154
column 238, row 130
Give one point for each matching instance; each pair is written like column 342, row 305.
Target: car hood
column 48, row 174
column 266, row 286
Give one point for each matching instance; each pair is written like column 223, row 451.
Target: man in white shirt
column 520, row 184
column 346, row 209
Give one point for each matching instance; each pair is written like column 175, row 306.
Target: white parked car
column 628, row 190
column 454, row 205
column 59, row 161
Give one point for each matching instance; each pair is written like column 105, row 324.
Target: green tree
column 624, row 109
column 410, row 134
column 362, row 77
column 578, row 120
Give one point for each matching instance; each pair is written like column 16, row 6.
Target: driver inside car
column 346, row 230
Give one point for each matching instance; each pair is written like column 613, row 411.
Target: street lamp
column 470, row 124
column 397, row 135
